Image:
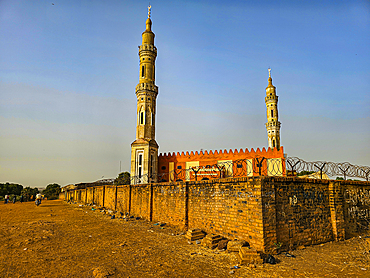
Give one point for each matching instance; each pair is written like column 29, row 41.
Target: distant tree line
column 14, row 189
column 51, row 191
column 10, row 189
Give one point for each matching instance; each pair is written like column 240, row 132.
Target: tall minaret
column 273, row 124
column 144, row 150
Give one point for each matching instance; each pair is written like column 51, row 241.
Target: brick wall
column 265, row 211
column 123, row 199
column 140, row 198
column 302, row 212
column 169, row 203
column 90, row 195
column 229, row 207
column 110, row 196
column 99, row 195
column 356, row 207
column 269, row 214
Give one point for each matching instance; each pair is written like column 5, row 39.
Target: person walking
column 6, row 198
column 14, row 199
column 21, row 200
column 38, row 199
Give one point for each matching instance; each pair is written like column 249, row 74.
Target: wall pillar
column 337, row 210
column 129, row 199
column 115, row 198
column 103, row 196
column 150, row 216
column 186, row 224
column 268, row 214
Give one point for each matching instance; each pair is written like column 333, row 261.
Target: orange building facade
column 221, row 164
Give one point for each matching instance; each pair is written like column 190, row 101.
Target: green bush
column 123, row 178
column 28, row 192
column 52, row 191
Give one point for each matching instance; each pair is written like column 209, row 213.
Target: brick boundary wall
column 265, row 211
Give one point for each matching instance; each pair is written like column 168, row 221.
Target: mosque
column 147, row 166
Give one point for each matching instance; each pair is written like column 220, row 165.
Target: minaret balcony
column 146, row 87
column 273, row 123
column 147, row 47
column 270, row 98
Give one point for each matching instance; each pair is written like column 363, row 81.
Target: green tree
column 10, row 189
column 52, row 191
column 28, row 192
column 123, row 178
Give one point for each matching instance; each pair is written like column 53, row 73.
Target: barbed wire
column 260, row 166
column 295, row 165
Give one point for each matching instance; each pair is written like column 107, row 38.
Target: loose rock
column 103, row 272
column 222, row 244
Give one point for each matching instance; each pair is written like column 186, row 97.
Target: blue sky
column 68, row 73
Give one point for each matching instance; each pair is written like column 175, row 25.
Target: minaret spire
column 144, row 150
column 273, row 124
column 270, row 79
column 149, row 21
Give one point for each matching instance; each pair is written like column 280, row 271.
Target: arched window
column 273, row 143
column 141, row 118
column 142, row 71
column 139, row 165
column 272, row 113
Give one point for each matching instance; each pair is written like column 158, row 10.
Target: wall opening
column 141, row 118
column 139, row 165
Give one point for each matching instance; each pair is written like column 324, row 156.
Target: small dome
column 148, row 24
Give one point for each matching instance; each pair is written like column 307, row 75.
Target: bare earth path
column 62, row 240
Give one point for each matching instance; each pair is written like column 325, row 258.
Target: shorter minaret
column 273, row 124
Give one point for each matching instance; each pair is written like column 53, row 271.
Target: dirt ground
column 58, row 239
